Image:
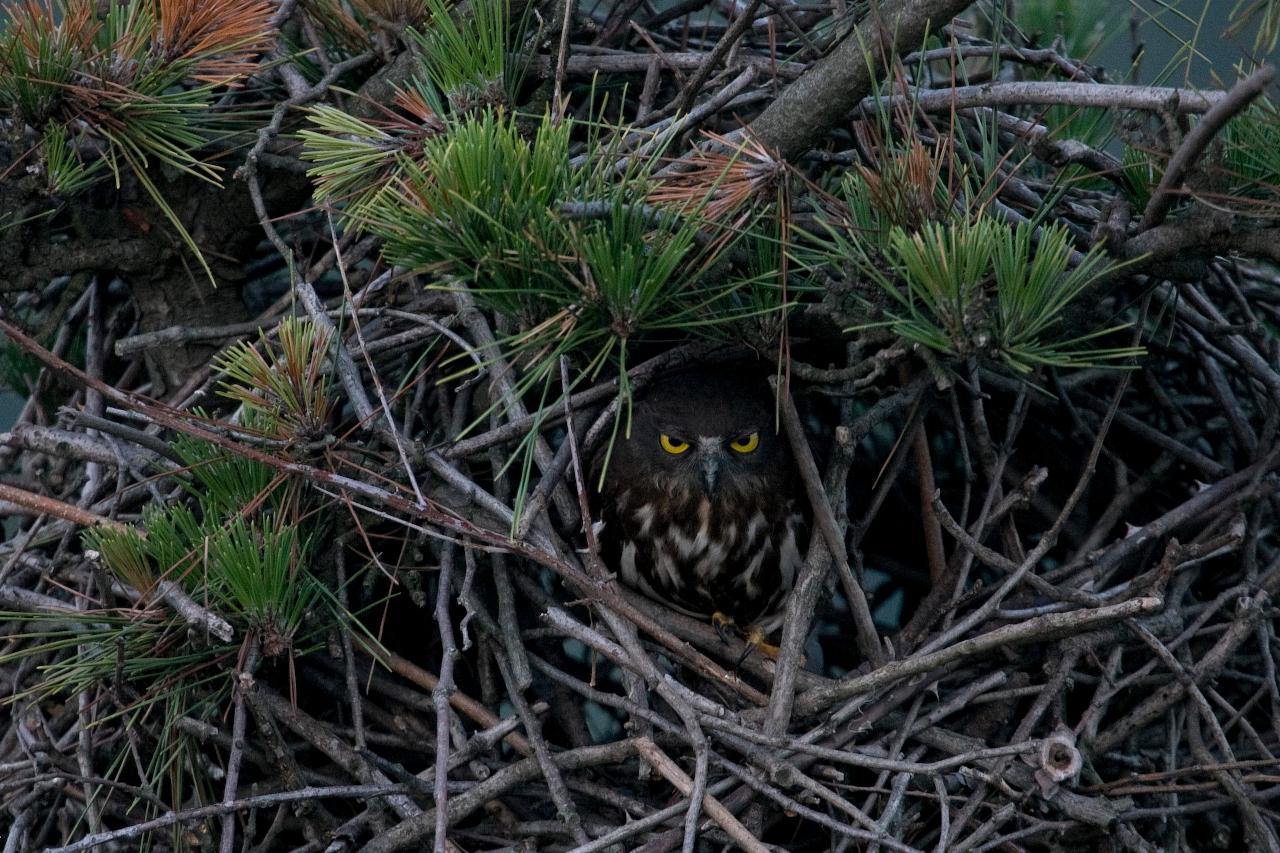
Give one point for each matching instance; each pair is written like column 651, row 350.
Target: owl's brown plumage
column 701, row 504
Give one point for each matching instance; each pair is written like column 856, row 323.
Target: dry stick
column 894, row 803
column 1071, row 68
column 944, row 818
column 348, row 650
column 648, row 91
column 996, row 560
column 702, row 634
column 484, row 740
column 633, row 682
column 131, row 345
column 160, row 455
column 562, row 55
column 868, row 639
column 461, row 702
column 41, row 505
column 500, row 382
column 1249, row 610
column 659, row 57
column 659, row 760
column 680, row 9
column 244, row 679
column 1047, row 540
column 993, row 465
column 299, row 94
column 348, row 373
column 635, row 827
column 197, row 385
column 788, row 774
column 691, row 119
column 552, row 480
column 23, row 821
column 440, row 693
column 564, row 625
column 935, row 551
column 896, row 741
column 184, row 605
column 1114, row 685
column 391, row 431
column 1047, row 94
column 542, row 753
column 810, row 751
column 1094, row 811
column 962, row 698
column 1048, row 627
column 93, row 404
column 1197, row 140
column 1052, row 689
column 1210, row 322
column 407, row 832
column 808, row 46
column 730, row 38
column 1241, row 486
column 275, row 707
column 84, row 738
column 202, row 813
column 753, row 782
column 1259, row 834
column 508, row 628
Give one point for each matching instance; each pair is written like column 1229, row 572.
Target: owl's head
column 708, row 432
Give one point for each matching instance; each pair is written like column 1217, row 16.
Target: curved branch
column 821, row 98
column 1197, row 140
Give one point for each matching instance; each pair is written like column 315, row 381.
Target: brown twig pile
column 1033, row 615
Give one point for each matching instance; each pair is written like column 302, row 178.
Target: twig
column 409, row 831
column 739, row 26
column 1047, row 627
column 659, row 760
column 1197, row 140
column 440, row 693
column 868, row 639
column 41, row 505
column 244, row 680
column 217, row 809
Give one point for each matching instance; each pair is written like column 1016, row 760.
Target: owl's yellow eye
column 674, row 446
column 746, row 443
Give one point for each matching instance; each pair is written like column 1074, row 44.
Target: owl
column 701, row 504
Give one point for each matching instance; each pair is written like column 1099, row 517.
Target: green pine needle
column 983, row 288
column 261, row 570
column 466, row 57
column 286, row 384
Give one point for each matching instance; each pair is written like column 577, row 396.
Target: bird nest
column 341, row 587
column 1029, row 616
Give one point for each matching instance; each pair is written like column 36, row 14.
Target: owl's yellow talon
column 722, row 623
column 756, row 639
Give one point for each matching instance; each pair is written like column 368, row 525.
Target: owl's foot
column 754, row 637
column 757, row 640
column 723, row 624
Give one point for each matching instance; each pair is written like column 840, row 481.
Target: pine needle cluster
column 239, row 547
column 128, row 89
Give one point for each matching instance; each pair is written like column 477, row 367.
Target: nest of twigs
column 326, row 590
column 1045, row 620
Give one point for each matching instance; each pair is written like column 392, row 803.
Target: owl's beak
column 710, row 472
